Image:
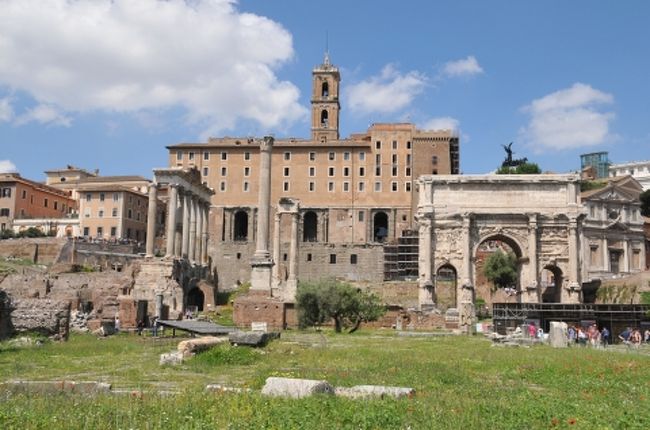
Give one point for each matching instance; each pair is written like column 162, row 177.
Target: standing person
column 635, row 338
column 604, row 337
column 532, row 331
column 117, row 324
column 140, row 327
column 646, row 335
column 625, row 336
column 582, row 337
column 154, row 327
column 571, row 335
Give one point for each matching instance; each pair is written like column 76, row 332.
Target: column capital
column 266, row 144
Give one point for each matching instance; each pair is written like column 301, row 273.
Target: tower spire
column 326, row 60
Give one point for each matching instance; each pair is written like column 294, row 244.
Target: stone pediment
column 613, row 194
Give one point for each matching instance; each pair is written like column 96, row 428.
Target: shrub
column 501, row 269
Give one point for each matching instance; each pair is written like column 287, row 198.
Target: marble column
column 605, row 255
column 573, row 293
column 205, row 213
column 465, row 293
column 191, row 246
column 532, row 295
column 261, row 262
column 425, row 278
column 626, row 256
column 171, row 220
column 198, row 247
column 151, row 219
column 276, row 250
column 292, row 280
column 187, row 204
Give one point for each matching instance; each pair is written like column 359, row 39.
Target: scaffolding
column 401, row 258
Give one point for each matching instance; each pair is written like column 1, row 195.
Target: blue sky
column 107, row 85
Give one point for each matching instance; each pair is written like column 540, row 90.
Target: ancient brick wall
column 40, row 250
column 44, row 316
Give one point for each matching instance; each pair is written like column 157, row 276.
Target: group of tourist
column 632, row 337
column 589, row 336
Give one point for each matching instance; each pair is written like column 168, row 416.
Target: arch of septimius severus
column 538, row 216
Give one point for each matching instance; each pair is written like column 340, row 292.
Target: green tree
column 501, row 269
column 329, row 299
column 645, row 203
column 522, row 169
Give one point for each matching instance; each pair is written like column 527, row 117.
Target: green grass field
column 461, row 383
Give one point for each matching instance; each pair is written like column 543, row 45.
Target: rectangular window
column 113, row 231
column 6, row 192
column 56, row 206
column 312, row 171
column 393, row 186
column 331, row 156
column 100, row 231
column 129, row 214
column 247, row 156
column 393, row 171
column 362, row 156
column 377, row 158
column 394, row 144
column 246, row 186
column 332, row 258
column 408, row 159
column 224, row 171
column 434, row 159
column 408, row 144
column 222, row 186
column 206, row 155
column 362, row 171
column 407, row 171
column 361, row 216
column 362, row 186
column 312, row 186
column 190, row 156
column 309, row 257
column 205, row 171
column 330, row 186
column 89, row 197
column 377, row 171
column 346, row 156
column 45, row 202
column 285, row 186
column 179, row 155
column 87, row 213
column 434, row 172
column 407, row 187
column 224, row 156
column 100, row 213
column 31, row 199
column 4, row 212
column 378, row 144
column 287, row 156
column 312, row 156
column 346, row 171
column 330, row 171
column 114, row 213
column 394, row 158
column 285, row 172
column 353, row 258
column 24, row 194
column 346, row 187
column 377, row 186
column 116, row 197
column 86, row 231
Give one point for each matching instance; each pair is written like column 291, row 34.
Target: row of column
column 192, row 242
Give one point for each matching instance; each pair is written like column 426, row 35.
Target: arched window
column 241, row 226
column 380, row 226
column 310, row 227
column 325, row 89
column 324, row 118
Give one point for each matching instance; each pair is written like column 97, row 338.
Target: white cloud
column 6, row 111
column 568, row 118
column 125, row 56
column 463, row 67
column 6, row 166
column 44, row 114
column 441, row 123
column 388, row 92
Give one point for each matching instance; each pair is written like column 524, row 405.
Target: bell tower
column 325, row 106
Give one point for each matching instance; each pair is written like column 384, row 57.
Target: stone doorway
column 380, row 227
column 241, row 226
column 551, row 284
column 196, row 299
column 310, row 227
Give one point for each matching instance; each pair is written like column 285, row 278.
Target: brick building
column 21, row 198
column 355, row 194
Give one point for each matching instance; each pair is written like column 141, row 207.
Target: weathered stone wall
column 44, row 316
column 39, row 250
column 257, row 308
column 232, row 262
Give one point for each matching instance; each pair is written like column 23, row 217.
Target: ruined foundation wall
column 44, row 316
column 39, row 250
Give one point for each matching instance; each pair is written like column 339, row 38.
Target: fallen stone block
column 251, row 338
column 295, row 388
column 193, row 346
column 171, row 358
column 365, row 391
column 558, row 335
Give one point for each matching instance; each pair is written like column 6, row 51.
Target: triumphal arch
column 537, row 217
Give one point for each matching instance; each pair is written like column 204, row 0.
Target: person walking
column 604, row 337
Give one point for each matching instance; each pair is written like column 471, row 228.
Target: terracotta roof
column 119, row 178
column 109, row 189
column 16, row 178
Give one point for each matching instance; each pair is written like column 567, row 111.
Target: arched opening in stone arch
column 195, row 299
column 68, row 231
column 325, row 89
column 324, row 117
column 380, row 227
column 446, row 283
column 551, row 281
column 310, row 227
column 241, row 226
column 485, row 290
